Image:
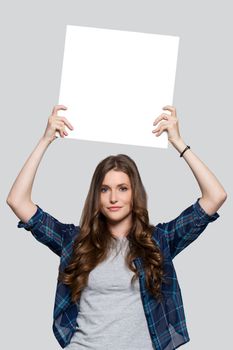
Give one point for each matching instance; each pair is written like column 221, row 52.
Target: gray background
column 32, row 43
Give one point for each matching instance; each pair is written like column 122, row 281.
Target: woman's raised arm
column 19, row 197
column 213, row 193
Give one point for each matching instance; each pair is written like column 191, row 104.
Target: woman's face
column 116, row 191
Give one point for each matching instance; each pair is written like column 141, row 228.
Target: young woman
column 117, row 287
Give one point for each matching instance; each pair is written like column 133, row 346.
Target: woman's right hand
column 56, row 123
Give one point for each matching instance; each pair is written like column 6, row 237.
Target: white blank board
column 114, row 84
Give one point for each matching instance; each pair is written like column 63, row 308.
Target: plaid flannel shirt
column 166, row 320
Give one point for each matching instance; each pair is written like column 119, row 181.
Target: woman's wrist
column 45, row 140
column 179, row 144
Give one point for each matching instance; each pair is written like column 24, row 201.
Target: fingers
column 57, row 108
column 60, row 127
column 169, row 119
column 160, row 117
column 172, row 109
column 67, row 123
column 61, row 121
column 165, row 115
column 64, row 119
column 159, row 130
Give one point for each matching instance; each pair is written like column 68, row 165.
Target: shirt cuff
column 203, row 216
column 32, row 221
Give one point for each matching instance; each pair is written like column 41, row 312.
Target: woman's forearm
column 209, row 185
column 22, row 187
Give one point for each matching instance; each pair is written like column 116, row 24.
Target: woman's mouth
column 114, row 208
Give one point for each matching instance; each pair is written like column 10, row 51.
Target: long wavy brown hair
column 94, row 240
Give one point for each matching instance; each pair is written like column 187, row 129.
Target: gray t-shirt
column 111, row 315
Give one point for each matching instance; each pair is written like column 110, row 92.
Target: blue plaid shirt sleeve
column 47, row 229
column 186, row 227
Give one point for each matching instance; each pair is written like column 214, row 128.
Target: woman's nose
column 113, row 197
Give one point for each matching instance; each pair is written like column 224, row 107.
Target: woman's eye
column 104, row 188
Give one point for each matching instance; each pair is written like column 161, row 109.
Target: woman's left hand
column 170, row 125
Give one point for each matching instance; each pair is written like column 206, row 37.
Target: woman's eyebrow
column 117, row 185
